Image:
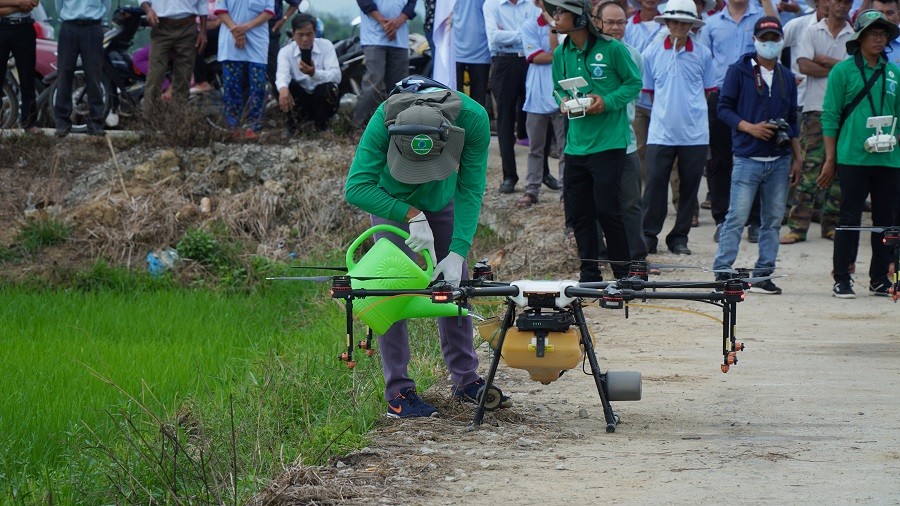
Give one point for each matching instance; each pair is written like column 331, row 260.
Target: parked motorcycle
column 353, row 66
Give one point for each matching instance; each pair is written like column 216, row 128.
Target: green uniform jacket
column 371, row 188
column 611, row 73
column 844, row 83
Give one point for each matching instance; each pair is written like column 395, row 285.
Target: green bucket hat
column 868, row 19
column 574, row 6
column 577, row 7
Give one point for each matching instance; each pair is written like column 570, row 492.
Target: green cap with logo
column 869, row 19
column 416, row 158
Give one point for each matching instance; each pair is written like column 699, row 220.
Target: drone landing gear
column 347, row 356
column 600, row 379
column 611, row 385
column 730, row 345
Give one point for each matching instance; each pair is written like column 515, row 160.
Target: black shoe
column 680, row 249
column 767, row 287
column 718, row 232
column 880, row 288
column 507, row 186
column 551, row 182
column 843, row 290
column 62, row 132
column 753, row 233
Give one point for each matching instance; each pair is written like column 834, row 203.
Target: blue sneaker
column 469, row 393
column 408, row 404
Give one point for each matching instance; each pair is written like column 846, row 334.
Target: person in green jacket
column 849, row 147
column 431, row 185
column 595, row 143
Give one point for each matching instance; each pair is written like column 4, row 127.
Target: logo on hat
column 421, row 144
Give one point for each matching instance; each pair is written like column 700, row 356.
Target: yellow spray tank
column 560, row 351
column 385, row 259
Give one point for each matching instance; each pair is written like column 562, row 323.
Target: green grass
column 99, row 379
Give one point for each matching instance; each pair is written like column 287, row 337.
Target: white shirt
column 793, row 30
column 502, row 20
column 818, row 40
column 325, row 60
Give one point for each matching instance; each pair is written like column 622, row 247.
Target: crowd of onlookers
column 758, row 97
column 244, row 37
column 772, row 102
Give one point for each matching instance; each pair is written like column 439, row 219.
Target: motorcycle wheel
column 210, row 105
column 9, row 109
column 80, row 106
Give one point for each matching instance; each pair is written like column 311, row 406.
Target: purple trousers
column 455, row 334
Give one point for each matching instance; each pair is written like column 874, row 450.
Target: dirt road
column 809, row 415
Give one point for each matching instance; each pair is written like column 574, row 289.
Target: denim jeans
column 771, row 179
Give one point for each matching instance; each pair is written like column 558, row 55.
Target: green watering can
column 385, row 259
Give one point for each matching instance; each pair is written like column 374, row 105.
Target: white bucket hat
column 708, row 5
column 680, row 10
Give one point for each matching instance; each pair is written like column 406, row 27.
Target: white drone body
column 557, row 288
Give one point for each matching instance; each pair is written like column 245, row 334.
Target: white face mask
column 769, row 50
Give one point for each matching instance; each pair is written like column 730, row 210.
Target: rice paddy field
column 152, row 393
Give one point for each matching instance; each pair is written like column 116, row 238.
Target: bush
column 38, row 233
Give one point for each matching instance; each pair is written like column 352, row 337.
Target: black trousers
column 319, row 106
column 479, row 73
column 719, row 166
column 20, row 40
column 591, row 194
column 857, row 182
column 508, row 88
column 86, row 41
column 205, row 72
column 660, row 159
column 274, row 47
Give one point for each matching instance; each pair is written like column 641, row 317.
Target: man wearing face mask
column 758, row 100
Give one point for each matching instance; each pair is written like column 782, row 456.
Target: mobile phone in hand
column 306, row 56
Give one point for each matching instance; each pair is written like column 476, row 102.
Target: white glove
column 420, row 235
column 451, row 267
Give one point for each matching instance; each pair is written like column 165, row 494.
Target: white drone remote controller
column 576, row 106
column 881, row 142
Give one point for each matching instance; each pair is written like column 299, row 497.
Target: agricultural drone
column 542, row 328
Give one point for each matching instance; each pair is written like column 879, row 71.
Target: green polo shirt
column 371, row 187
column 844, row 83
column 611, row 73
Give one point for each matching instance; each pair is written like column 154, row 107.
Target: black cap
column 767, row 24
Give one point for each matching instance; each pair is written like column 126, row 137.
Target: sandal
column 527, row 200
column 792, row 238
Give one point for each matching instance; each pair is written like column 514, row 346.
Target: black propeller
column 325, row 279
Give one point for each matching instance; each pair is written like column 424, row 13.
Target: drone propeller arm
column 627, row 294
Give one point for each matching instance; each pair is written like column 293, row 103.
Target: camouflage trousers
column 806, row 192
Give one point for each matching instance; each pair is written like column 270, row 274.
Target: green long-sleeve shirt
column 844, row 83
column 371, row 187
column 611, row 73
